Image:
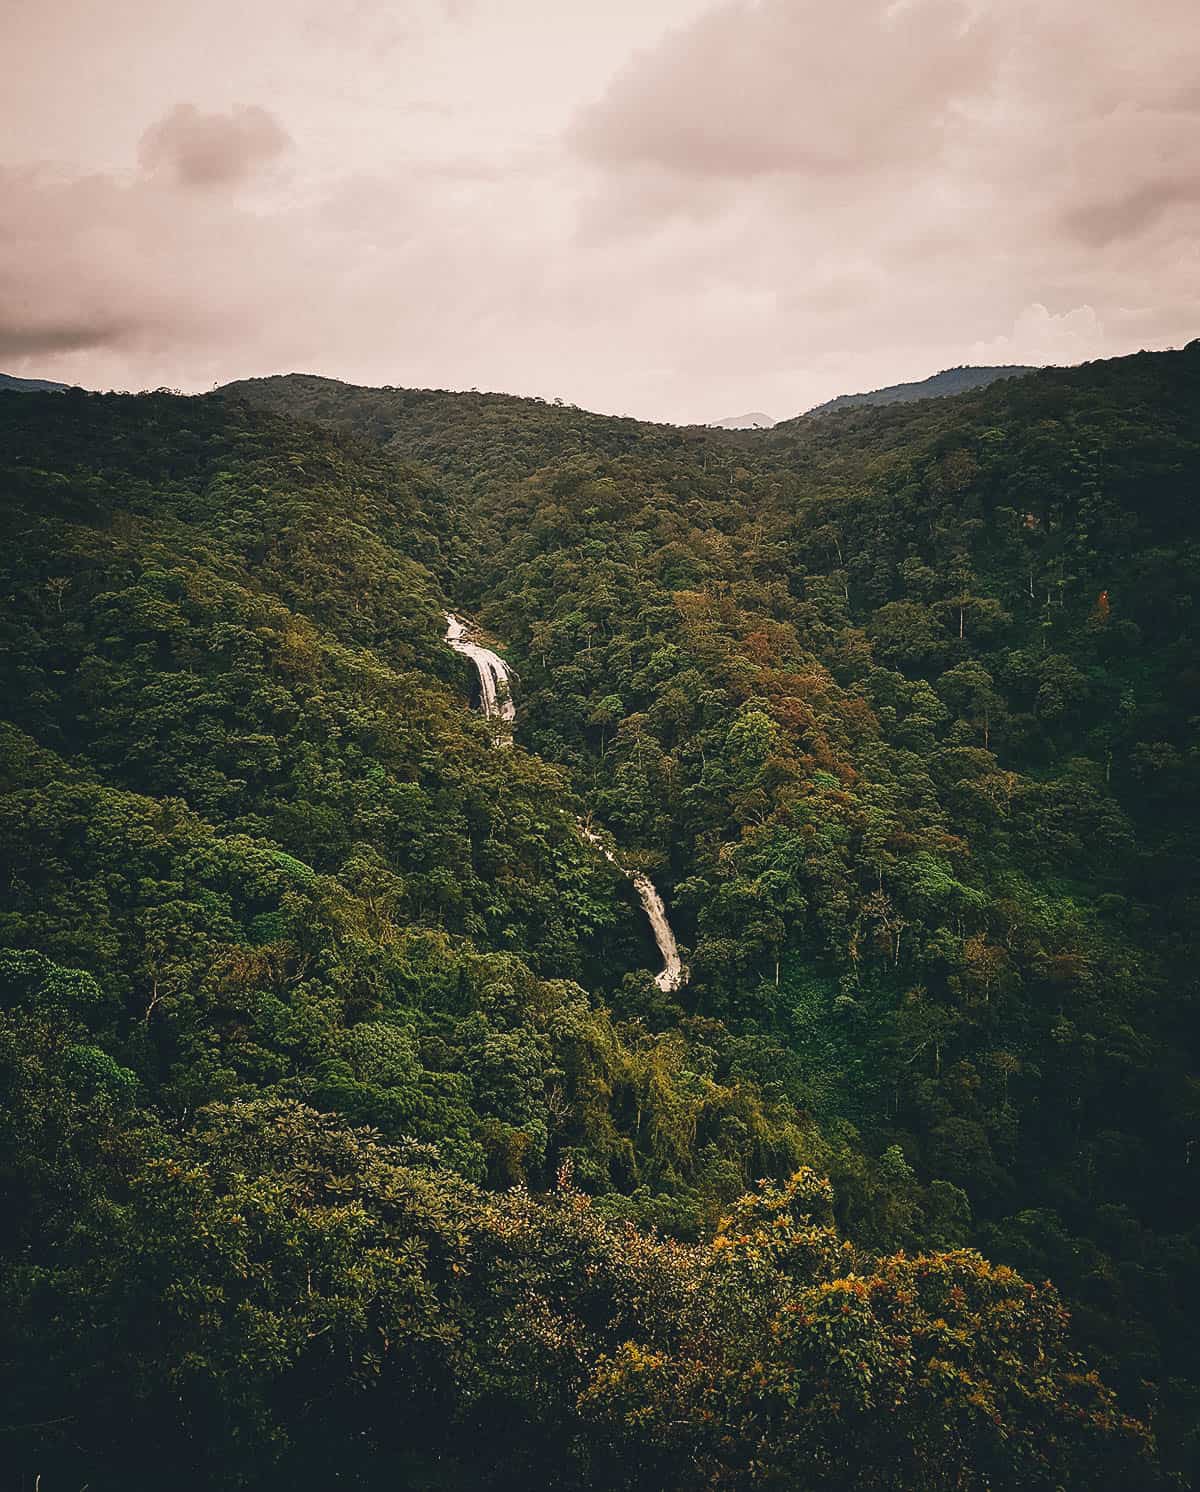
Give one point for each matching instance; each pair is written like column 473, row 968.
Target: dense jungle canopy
column 346, row 1137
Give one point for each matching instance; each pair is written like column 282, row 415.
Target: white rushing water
column 496, row 693
column 494, row 675
column 673, row 973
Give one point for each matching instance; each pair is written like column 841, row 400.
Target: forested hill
column 347, row 1138
column 939, row 386
column 9, row 384
column 461, row 434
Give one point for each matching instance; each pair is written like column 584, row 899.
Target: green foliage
column 324, row 1303
column 312, row 993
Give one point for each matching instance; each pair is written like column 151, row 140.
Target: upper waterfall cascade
column 494, row 674
column 495, row 692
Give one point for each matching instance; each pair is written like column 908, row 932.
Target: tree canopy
column 346, row 1132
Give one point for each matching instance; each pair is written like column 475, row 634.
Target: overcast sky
column 670, row 208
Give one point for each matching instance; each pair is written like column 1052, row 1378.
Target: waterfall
column 495, row 691
column 494, row 674
column 673, row 974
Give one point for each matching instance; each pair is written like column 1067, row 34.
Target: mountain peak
column 755, row 420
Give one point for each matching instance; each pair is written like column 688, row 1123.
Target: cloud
column 765, row 203
column 789, row 86
column 1133, row 210
column 203, row 150
column 1039, row 338
column 128, row 267
column 36, row 334
column 422, row 276
column 911, row 184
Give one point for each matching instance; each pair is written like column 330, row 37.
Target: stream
column 496, row 694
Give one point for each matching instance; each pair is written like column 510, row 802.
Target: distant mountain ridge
column 30, row 385
column 755, row 420
column 939, row 386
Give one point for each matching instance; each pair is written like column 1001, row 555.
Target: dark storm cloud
column 49, row 334
column 198, row 149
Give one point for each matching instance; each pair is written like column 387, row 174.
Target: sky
column 677, row 209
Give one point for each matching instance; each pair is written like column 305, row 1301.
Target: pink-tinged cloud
column 757, row 87
column 199, row 149
column 674, row 208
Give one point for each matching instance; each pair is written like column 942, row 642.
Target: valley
column 334, row 1042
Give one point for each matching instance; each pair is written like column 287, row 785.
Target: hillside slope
column 897, row 709
column 12, row 385
column 937, row 386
